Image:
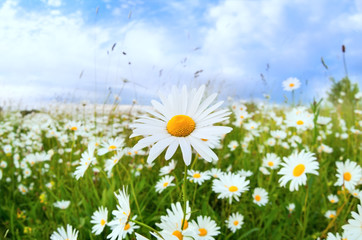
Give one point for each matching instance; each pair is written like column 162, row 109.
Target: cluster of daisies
column 193, row 123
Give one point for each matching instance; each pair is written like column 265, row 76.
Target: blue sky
column 61, row 50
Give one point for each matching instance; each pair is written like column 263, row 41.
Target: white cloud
column 53, row 3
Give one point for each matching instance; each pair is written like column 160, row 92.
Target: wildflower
column 181, row 120
column 295, row 167
column 271, row 160
column 291, row 84
column 260, row 196
column 62, row 204
column 175, row 223
column 330, row 236
column 114, row 144
column 168, row 169
column 197, row 176
column 278, row 134
column 300, row 119
column 291, row 207
column 99, row 219
column 233, row 145
column 61, row 234
column 22, row 189
column 121, row 215
column 353, row 229
column 164, row 182
column 348, row 174
column 235, row 222
column 333, row 198
column 230, row 186
column 86, row 160
column 110, row 163
column 245, row 173
column 330, row 214
column 215, row 172
column 206, row 228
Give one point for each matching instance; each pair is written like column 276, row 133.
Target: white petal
column 171, row 149
column 186, row 150
column 158, row 148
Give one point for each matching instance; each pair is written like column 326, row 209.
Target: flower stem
column 184, row 197
column 148, row 227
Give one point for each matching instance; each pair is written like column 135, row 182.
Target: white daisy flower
column 271, row 160
column 206, row 228
column 121, row 215
column 99, row 219
column 235, row 222
column 164, row 182
column 233, row 145
column 348, row 173
column 333, row 198
column 175, row 223
column 330, row 236
column 130, row 227
column 198, row 176
column 215, row 172
column 260, row 196
column 291, row 207
column 168, row 169
column 110, row 163
column 278, row 134
column 184, row 120
column 114, row 144
column 291, row 84
column 230, row 186
column 61, row 234
column 295, row 167
column 300, row 119
column 330, row 214
column 245, row 173
column 63, row 204
column 353, row 230
column 86, row 160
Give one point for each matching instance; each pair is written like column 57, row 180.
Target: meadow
column 277, row 172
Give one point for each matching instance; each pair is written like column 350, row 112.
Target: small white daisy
column 99, row 219
column 230, row 186
column 198, row 176
column 348, row 174
column 271, row 160
column 291, row 207
column 260, row 196
column 164, row 183
column 330, row 214
column 207, row 228
column 61, row 234
column 333, row 198
column 113, row 144
column 291, row 84
column 169, row 168
column 63, row 204
column 235, row 222
column 353, row 230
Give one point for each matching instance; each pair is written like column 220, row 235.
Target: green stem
column 148, row 227
column 133, row 192
column 184, row 197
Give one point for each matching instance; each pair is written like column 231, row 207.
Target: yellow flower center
column 347, row 176
column 112, row 147
column 203, row 232
column 196, row 175
column 103, row 222
column 270, row 164
column 74, row 128
column 127, row 227
column 233, row 189
column 291, row 85
column 298, row 170
column 236, row 222
column 178, row 234
column 165, row 184
column 242, row 117
column 180, row 126
column 257, row 198
column 300, row 122
column 331, row 216
column 115, row 160
column 204, row 139
column 332, row 200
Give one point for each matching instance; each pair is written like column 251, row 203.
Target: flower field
column 190, row 167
